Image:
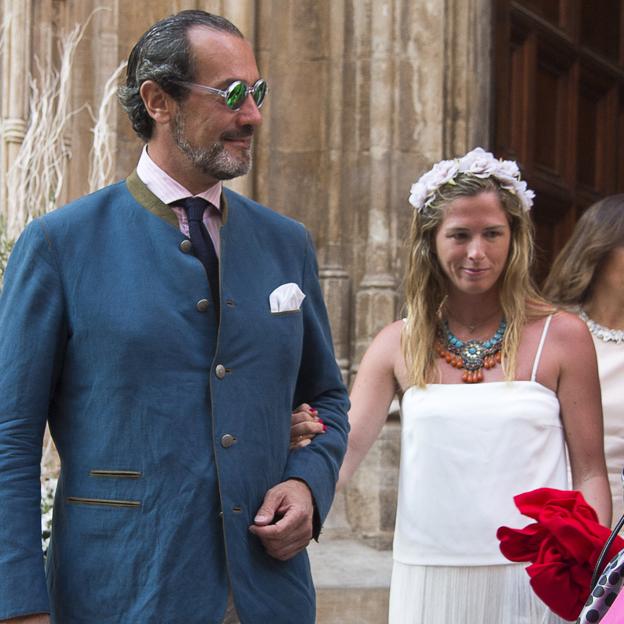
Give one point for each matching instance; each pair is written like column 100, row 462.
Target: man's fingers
column 283, row 553
column 282, row 539
column 279, row 545
column 294, row 525
column 268, row 509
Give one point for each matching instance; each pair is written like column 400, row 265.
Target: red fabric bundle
column 562, row 546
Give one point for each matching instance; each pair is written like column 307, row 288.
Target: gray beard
column 214, row 160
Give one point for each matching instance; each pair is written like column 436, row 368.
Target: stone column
column 242, row 14
column 376, row 296
column 15, row 73
column 467, row 84
column 367, row 495
column 429, row 99
column 134, row 19
column 335, row 279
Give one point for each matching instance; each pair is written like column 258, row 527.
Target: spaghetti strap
column 538, row 355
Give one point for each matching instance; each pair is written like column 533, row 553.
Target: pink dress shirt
column 169, row 190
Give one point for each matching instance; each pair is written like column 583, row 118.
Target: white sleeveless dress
column 466, row 450
column 611, row 371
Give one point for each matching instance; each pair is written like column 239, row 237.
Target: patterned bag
column 605, row 589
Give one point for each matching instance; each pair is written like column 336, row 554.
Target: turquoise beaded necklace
column 471, row 355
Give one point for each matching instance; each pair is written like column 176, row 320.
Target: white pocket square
column 286, row 298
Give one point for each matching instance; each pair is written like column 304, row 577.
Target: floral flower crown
column 478, row 163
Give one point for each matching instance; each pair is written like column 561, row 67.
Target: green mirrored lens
column 259, row 93
column 236, row 93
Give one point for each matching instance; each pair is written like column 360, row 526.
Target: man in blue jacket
column 165, row 327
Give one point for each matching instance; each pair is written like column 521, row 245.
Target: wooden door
column 559, row 106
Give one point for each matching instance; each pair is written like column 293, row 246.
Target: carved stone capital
column 375, row 307
column 13, row 130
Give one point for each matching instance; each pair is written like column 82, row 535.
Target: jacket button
column 220, row 371
column 227, row 440
column 186, row 246
column 202, row 305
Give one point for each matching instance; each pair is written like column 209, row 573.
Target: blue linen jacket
column 101, row 335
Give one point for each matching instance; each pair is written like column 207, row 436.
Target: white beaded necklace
column 603, row 333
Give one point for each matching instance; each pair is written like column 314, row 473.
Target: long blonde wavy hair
column 599, row 230
column 426, row 284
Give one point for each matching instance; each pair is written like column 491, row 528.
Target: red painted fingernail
column 324, row 427
column 321, row 420
column 313, row 410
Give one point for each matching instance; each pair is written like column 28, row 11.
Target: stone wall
column 365, row 95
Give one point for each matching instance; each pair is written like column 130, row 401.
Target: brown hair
column 599, row 230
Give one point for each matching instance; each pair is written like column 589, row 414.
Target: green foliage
column 5, row 249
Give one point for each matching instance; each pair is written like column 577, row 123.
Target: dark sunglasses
column 236, row 93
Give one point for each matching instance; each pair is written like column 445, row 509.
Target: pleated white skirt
column 498, row 594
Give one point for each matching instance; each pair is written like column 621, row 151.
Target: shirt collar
column 168, row 190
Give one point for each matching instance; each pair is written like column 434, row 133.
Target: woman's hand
column 305, row 425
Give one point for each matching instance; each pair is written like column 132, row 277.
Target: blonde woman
column 493, row 382
column 588, row 278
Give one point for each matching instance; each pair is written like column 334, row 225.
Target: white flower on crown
column 507, row 172
column 441, row 173
column 478, row 163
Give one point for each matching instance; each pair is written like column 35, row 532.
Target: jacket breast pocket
column 282, row 341
column 287, row 313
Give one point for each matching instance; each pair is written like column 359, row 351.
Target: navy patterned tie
column 202, row 244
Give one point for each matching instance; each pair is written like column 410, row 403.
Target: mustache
column 243, row 133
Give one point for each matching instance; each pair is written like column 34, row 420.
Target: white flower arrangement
column 48, row 488
column 478, row 163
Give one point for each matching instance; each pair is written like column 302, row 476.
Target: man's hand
column 284, row 521
column 39, row 618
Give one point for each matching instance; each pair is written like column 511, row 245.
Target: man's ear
column 160, row 106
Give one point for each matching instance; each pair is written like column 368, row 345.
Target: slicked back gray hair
column 163, row 54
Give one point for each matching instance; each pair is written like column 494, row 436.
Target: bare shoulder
column 392, row 332
column 570, row 341
column 569, row 328
column 386, row 346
